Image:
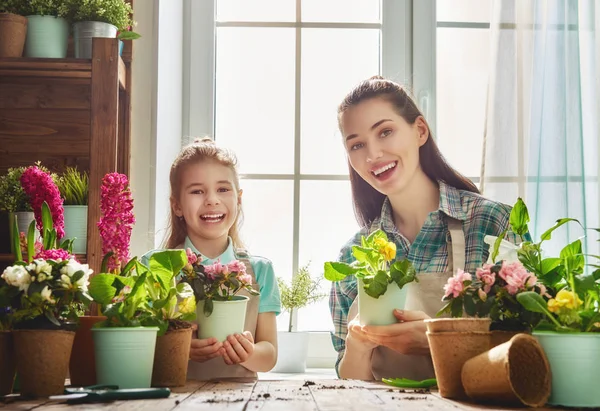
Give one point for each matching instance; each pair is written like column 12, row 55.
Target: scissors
column 103, row 393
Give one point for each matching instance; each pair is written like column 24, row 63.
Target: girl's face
column 208, row 200
column 381, row 146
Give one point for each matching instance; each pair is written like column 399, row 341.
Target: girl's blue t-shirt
column 270, row 300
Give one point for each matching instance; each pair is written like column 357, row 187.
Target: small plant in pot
column 47, row 28
column 217, row 290
column 302, row 291
column 172, row 305
column 380, row 280
column 99, row 18
column 73, row 186
column 13, row 28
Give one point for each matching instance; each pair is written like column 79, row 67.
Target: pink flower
column 116, row 223
column 245, row 279
column 192, row 258
column 236, row 266
column 39, row 187
column 455, row 285
column 486, row 276
column 53, row 254
column 516, row 277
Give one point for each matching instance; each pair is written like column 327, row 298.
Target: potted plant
column 7, row 353
column 570, row 329
column 293, row 346
column 99, row 18
column 380, row 282
column 171, row 305
column 215, row 288
column 73, row 187
column 47, row 28
column 13, row 29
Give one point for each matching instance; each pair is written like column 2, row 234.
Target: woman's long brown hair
column 368, row 201
column 202, row 149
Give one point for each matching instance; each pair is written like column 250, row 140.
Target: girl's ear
column 176, row 207
column 422, row 130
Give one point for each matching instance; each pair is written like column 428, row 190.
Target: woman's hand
column 407, row 336
column 238, row 348
column 204, row 349
column 357, row 338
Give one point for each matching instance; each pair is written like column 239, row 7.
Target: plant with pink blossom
column 217, row 281
column 116, row 222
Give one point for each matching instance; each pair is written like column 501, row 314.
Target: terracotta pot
column 515, row 372
column 82, row 365
column 42, row 360
column 171, row 358
column 502, row 336
column 7, row 363
column 13, row 31
column 436, row 325
column 449, row 352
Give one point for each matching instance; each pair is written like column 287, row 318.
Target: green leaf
column 549, row 264
column 128, row 35
column 46, row 217
column 167, row 264
column 519, row 218
column 31, row 241
column 572, row 257
column 532, row 301
column 335, row 271
column 469, row 305
column 50, row 316
column 374, row 236
column 497, row 243
column 77, row 275
column 378, row 286
column 104, row 265
column 208, row 307
column 403, row 272
column 101, row 288
column 365, row 255
column 159, row 304
column 129, row 266
column 16, row 243
column 547, row 235
column 456, row 307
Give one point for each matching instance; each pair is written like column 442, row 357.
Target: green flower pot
column 380, row 311
column 124, row 355
column 76, row 226
column 574, row 359
column 47, row 36
column 228, row 317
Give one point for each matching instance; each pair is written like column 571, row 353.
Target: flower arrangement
column 12, row 196
column 216, row 282
column 73, row 186
column 116, row 222
column 302, row 291
column 374, row 265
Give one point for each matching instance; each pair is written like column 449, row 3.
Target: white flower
column 42, row 266
column 507, row 250
column 42, row 277
column 46, row 294
column 69, row 270
column 17, row 276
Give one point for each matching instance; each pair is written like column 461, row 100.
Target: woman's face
column 381, row 146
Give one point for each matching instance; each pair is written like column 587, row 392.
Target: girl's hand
column 238, row 348
column 205, row 349
column 407, row 336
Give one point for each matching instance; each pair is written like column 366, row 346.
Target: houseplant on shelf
column 217, row 290
column 99, row 18
column 380, row 282
column 293, row 346
column 73, row 186
column 47, row 28
column 171, row 306
column 13, row 29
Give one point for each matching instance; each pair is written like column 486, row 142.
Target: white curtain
column 543, row 114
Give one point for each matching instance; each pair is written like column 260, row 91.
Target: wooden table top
column 249, row 395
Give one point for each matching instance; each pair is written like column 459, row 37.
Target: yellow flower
column 187, row 305
column 553, row 305
column 567, row 299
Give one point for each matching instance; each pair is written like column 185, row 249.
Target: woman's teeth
column 384, row 168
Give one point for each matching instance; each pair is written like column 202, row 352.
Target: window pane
column 268, row 224
column 256, row 10
column 326, row 223
column 462, row 81
column 255, row 97
column 341, row 11
column 479, row 11
column 333, row 61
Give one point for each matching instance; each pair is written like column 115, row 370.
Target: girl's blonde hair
column 200, row 150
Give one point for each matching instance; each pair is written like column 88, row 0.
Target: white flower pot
column 380, row 311
column 76, row 226
column 228, row 317
column 292, row 349
column 24, row 219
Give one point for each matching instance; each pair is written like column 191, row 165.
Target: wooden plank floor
column 275, row 395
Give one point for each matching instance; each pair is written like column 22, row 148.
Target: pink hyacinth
column 192, row 258
column 54, row 254
column 517, row 277
column 486, row 276
column 39, row 187
column 116, row 223
column 455, row 285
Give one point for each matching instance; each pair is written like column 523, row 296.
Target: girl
column 402, row 184
column 205, row 211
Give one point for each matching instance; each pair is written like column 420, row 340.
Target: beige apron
column 426, row 296
column 216, row 368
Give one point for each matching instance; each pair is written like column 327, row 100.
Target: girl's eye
column 356, row 146
column 197, row 192
column 223, row 190
column 386, row 132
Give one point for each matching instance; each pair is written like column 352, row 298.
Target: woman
column 402, row 184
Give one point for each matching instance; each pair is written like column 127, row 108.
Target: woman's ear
column 422, row 130
column 240, row 192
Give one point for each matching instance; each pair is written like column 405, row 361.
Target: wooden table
column 249, row 395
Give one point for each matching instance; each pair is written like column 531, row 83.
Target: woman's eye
column 356, row 146
column 385, row 133
column 223, row 190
